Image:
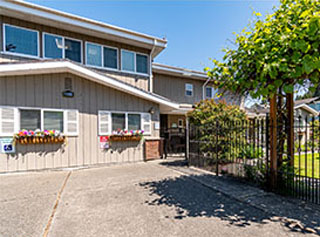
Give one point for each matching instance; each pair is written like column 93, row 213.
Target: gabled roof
column 60, row 66
column 306, row 101
column 263, row 111
column 178, row 71
column 47, row 16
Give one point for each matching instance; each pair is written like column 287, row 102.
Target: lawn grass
column 308, row 167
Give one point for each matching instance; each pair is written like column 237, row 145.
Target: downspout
column 150, row 66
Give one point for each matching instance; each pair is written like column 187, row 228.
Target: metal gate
column 174, row 141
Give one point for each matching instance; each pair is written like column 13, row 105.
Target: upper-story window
column 210, row 92
column 21, row 41
column 101, row 56
column 189, row 89
column 55, row 46
column 134, row 62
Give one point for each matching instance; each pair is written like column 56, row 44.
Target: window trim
column 185, row 90
column 19, row 54
column 126, row 120
column 135, row 63
column 63, row 44
column 102, row 56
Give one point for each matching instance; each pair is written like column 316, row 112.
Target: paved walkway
column 158, row 198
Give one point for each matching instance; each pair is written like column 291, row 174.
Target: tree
column 272, row 58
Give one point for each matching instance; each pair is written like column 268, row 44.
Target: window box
column 39, row 137
column 124, row 135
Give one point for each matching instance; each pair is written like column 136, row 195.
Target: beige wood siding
column 133, row 79
column 174, row 88
column 46, row 91
column 141, row 82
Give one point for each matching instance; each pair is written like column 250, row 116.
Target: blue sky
column 195, row 30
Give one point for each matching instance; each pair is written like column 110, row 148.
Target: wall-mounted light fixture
column 151, row 110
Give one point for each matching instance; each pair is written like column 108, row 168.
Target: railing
column 242, row 148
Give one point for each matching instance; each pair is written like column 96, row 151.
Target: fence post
column 273, row 143
column 187, row 139
column 290, row 128
column 217, row 150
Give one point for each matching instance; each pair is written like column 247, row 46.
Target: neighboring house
column 303, row 113
column 86, row 79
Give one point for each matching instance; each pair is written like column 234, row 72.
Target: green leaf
column 288, row 88
column 308, row 64
column 304, row 14
column 278, row 83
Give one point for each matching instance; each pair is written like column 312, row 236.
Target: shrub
column 219, row 128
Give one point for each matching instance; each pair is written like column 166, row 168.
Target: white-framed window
column 188, row 89
column 180, row 123
column 21, row 41
column 57, row 46
column 210, row 92
column 110, row 121
column 101, row 56
column 134, row 62
column 13, row 119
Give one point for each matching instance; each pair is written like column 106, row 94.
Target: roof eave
column 66, row 66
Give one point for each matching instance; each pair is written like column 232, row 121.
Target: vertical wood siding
column 174, row 88
column 46, row 91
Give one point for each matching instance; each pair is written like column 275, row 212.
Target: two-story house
column 89, row 84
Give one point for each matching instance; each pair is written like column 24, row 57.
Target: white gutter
column 150, row 66
column 65, row 66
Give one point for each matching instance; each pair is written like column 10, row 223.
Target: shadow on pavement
column 191, row 199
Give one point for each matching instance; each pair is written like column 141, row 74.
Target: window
column 30, row 119
column 113, row 121
column 13, row 119
column 127, row 61
column 55, row 46
column 134, row 122
column 142, row 63
column 210, row 92
column 73, row 50
column 53, row 120
column 180, row 123
column 134, row 62
column 110, row 57
column 118, row 121
column 189, row 89
column 19, row 40
column 94, row 55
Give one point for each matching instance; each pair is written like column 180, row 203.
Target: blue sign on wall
column 7, row 146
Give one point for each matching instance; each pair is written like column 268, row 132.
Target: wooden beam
column 273, row 143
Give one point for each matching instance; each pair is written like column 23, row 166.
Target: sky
column 196, row 31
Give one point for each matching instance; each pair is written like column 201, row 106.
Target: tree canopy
column 274, row 54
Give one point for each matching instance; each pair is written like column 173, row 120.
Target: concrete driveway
column 142, row 199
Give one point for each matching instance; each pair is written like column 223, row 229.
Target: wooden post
column 290, row 127
column 273, row 143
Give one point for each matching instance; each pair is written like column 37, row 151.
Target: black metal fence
column 242, row 149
